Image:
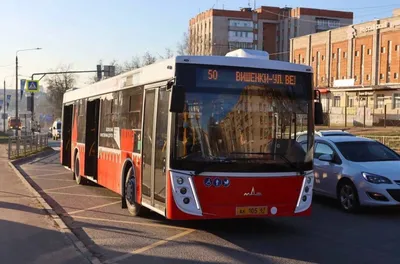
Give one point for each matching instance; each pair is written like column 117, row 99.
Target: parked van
column 56, row 130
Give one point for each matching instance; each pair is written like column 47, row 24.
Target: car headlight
column 377, row 179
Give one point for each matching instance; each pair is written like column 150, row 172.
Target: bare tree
column 57, row 85
column 148, row 59
column 168, row 54
column 183, row 47
column 134, row 63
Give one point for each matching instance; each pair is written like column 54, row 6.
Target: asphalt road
column 328, row 236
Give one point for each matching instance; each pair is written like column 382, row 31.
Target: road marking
column 52, row 174
column 91, row 208
column 154, row 245
column 85, row 195
column 132, row 223
column 34, row 169
column 60, row 188
column 47, row 179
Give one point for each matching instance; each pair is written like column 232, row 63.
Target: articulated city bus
column 197, row 137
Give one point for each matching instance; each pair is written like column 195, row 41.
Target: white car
column 301, row 136
column 356, row 171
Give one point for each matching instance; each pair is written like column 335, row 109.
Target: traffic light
column 99, row 73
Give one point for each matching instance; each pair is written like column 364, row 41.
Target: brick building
column 355, row 66
column 216, row 31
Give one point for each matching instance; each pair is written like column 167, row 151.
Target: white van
column 56, row 130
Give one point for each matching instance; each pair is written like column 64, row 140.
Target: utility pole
column 16, row 92
column 4, row 106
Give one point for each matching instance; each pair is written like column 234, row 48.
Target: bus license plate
column 259, row 210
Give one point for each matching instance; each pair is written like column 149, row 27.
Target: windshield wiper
column 283, row 157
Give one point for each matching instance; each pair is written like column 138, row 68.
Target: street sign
column 32, row 86
column 22, row 86
column 4, row 116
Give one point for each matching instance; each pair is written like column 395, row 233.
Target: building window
column 336, row 101
column 396, row 75
column 333, row 55
column 368, row 77
column 396, row 101
column 383, row 49
column 380, row 101
column 381, row 76
column 350, row 101
column 344, row 55
column 323, row 57
column 357, row 53
column 369, row 52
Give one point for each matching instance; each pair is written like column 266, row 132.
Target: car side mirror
column 318, row 115
column 177, row 99
column 326, row 157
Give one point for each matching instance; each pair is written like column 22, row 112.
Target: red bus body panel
column 221, row 202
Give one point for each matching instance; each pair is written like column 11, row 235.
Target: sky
column 81, row 32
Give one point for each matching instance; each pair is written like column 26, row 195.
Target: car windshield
column 243, row 127
column 366, row 151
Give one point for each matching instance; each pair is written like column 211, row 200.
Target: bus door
column 67, row 135
column 155, row 148
column 92, row 137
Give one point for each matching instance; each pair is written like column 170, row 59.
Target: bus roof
column 165, row 70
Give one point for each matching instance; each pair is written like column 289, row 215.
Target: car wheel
column 130, row 194
column 348, row 197
column 78, row 178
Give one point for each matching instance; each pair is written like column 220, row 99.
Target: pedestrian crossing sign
column 32, row 86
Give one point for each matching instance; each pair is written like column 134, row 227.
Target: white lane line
column 84, row 195
column 131, row 222
column 52, row 174
column 91, row 208
column 47, row 179
column 61, row 188
column 146, row 248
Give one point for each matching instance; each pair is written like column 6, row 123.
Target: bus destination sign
column 209, row 77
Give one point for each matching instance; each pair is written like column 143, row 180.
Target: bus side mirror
column 177, row 99
column 318, row 115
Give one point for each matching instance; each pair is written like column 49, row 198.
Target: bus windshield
column 242, row 126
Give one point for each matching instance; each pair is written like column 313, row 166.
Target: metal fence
column 392, row 142
column 22, row 146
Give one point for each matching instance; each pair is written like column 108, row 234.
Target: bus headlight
column 179, row 180
column 184, row 193
column 305, row 196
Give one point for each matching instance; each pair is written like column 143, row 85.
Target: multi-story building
column 216, row 31
column 355, row 66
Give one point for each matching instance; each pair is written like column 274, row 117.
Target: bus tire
column 130, row 194
column 78, row 178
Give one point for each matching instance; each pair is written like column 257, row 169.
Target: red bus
column 14, row 123
column 197, row 137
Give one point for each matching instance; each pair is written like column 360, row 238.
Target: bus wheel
column 78, row 178
column 130, row 194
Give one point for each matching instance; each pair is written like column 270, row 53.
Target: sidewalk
column 27, row 233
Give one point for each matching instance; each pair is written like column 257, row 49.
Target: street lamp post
column 16, row 83
column 4, row 106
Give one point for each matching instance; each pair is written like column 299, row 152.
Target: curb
column 56, row 218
